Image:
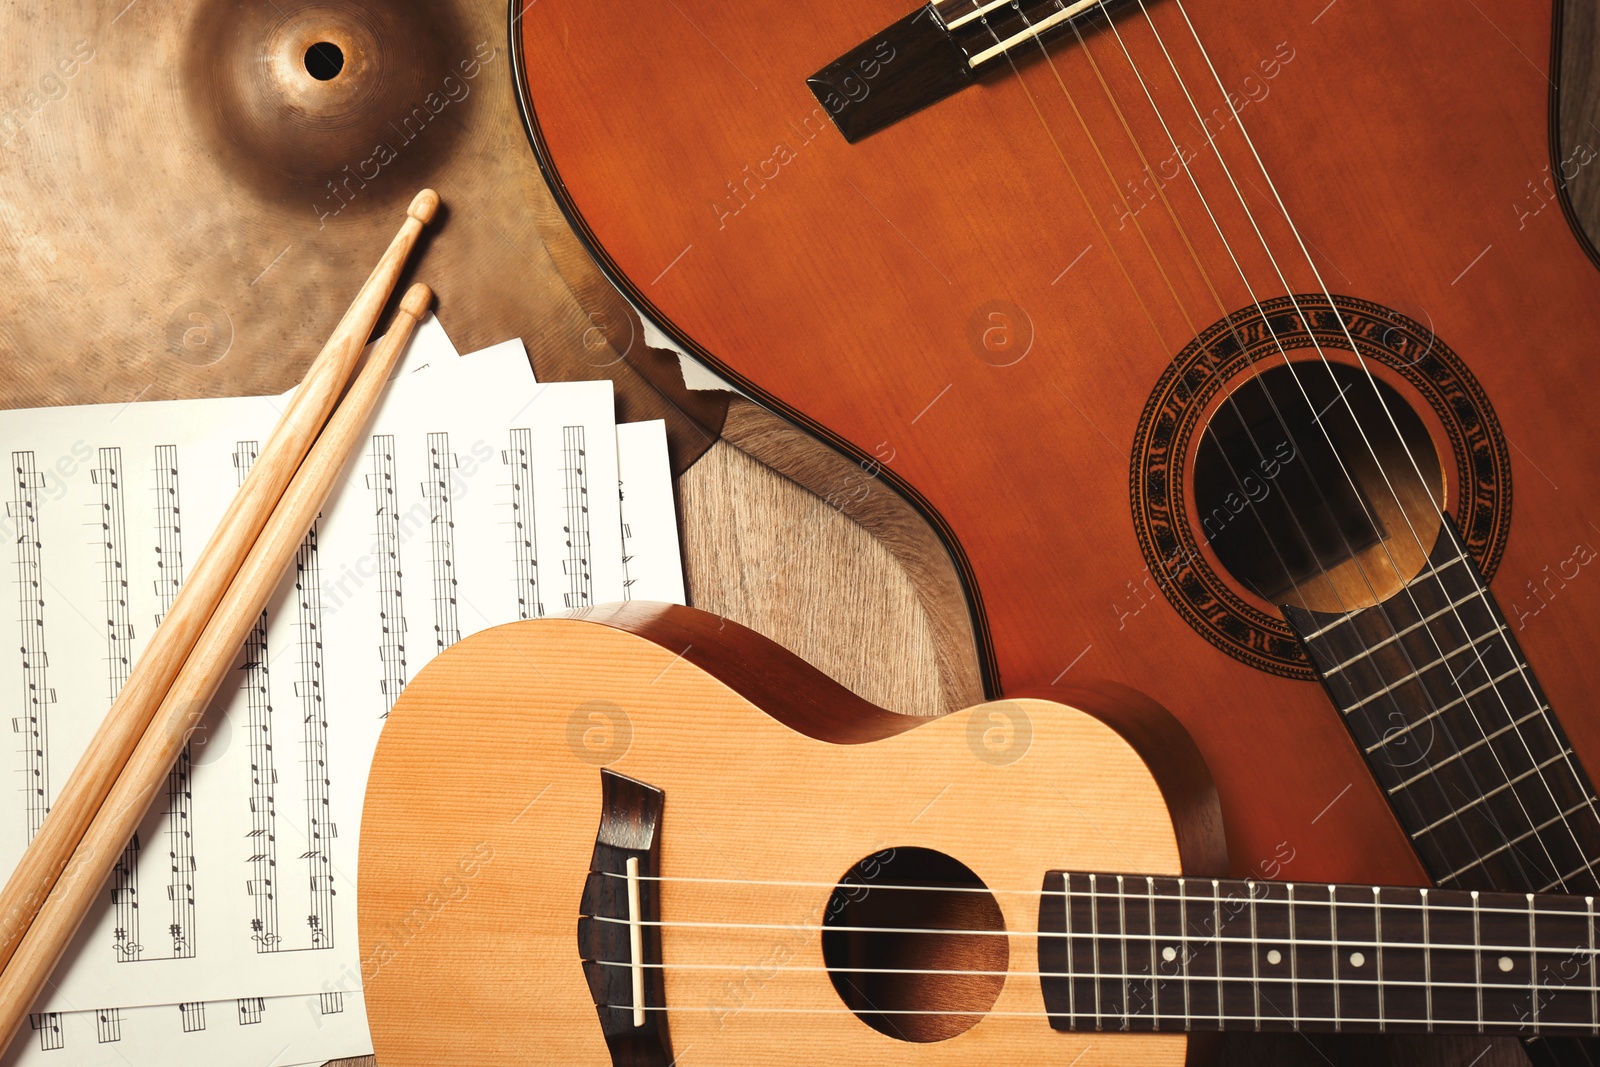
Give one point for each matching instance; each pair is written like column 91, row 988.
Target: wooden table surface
column 840, row 571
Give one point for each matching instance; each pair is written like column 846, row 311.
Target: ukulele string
column 1351, row 942
column 1095, row 897
column 1362, row 363
column 1266, row 393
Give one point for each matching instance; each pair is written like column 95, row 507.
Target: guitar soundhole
column 897, row 978
column 1308, row 495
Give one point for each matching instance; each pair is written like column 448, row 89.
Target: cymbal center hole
column 324, row 61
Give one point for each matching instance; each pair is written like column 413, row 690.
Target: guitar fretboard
column 1437, row 694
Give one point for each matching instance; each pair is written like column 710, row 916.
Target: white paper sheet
column 466, row 507
column 264, row 1032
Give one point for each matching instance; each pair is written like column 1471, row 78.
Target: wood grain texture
column 770, row 501
column 1024, row 462
column 496, row 942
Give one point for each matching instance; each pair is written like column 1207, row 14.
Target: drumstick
column 84, row 874
column 197, row 598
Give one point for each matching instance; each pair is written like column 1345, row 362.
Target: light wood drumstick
column 84, row 875
column 197, row 598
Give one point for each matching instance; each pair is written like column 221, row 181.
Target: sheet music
column 266, row 1031
column 651, row 560
column 480, row 493
column 195, row 910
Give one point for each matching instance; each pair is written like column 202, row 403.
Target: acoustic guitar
column 646, row 835
column 1212, row 336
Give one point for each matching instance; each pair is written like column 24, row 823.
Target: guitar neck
column 1436, row 693
column 1138, row 953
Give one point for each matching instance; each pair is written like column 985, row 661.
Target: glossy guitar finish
column 853, row 287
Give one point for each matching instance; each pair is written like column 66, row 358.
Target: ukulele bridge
column 619, row 917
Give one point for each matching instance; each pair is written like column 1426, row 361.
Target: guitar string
column 1343, row 396
column 1258, row 381
column 1442, row 659
column 1363, row 364
column 1231, row 400
column 1514, row 855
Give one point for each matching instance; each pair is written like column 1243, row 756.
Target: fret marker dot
column 1274, row 956
column 1169, row 953
column 1357, row 959
column 1505, row 963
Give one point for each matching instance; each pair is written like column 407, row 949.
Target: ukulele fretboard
column 1131, row 952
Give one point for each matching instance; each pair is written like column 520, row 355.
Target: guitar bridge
column 619, row 931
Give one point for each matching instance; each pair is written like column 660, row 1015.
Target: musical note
column 34, row 723
column 263, row 833
column 391, row 603
column 314, row 738
column 438, row 489
column 519, row 457
column 580, row 585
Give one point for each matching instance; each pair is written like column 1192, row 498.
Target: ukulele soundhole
column 915, row 944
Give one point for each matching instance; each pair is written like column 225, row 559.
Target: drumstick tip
column 423, row 206
column 415, row 302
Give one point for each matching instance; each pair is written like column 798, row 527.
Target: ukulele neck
column 1137, row 953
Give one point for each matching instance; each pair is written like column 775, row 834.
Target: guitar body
column 856, row 288
column 485, row 804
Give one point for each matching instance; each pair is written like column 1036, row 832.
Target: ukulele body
column 855, row 289
column 485, row 803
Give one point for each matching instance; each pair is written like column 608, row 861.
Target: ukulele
column 1211, row 337
column 647, row 835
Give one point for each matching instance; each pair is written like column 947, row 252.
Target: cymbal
column 191, row 193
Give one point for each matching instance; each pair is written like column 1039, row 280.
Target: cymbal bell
column 191, row 193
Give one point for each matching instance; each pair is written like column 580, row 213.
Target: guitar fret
column 1587, row 802
column 1441, row 709
column 1183, row 948
column 1460, row 753
column 1508, row 784
column 1342, row 620
column 1404, row 631
column 1416, row 673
